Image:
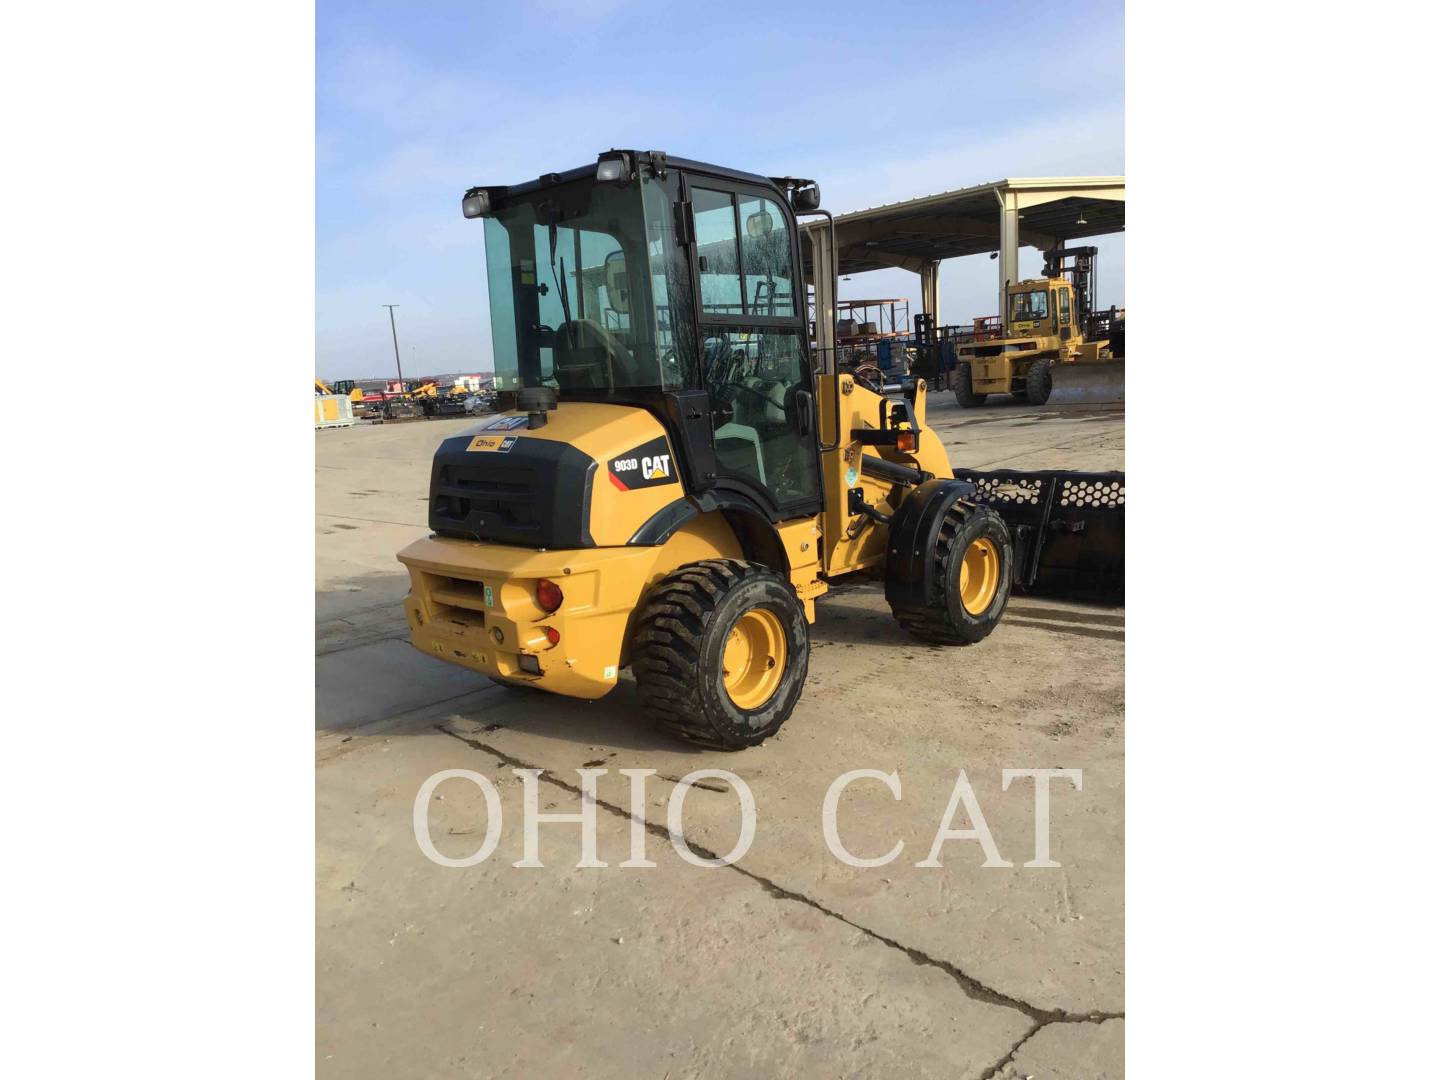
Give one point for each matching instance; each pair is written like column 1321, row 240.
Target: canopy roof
column 1053, row 210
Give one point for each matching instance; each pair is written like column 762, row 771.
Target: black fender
column 749, row 522
column 664, row 523
column 910, row 570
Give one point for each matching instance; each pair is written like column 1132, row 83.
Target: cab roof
column 587, row 171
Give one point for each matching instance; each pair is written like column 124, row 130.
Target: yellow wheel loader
column 1050, row 322
column 677, row 481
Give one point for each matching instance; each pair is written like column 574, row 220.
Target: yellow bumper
column 474, row 604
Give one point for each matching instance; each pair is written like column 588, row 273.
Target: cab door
column 754, row 359
column 1062, row 307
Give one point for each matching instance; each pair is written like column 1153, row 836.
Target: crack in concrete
column 972, row 987
column 701, row 784
column 328, row 749
column 993, row 1072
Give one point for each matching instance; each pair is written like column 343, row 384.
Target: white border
column 159, row 295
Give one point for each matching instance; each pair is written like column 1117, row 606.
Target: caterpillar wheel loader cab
column 1049, row 322
column 674, row 483
column 348, row 388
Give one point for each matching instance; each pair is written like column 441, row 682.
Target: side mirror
column 805, row 198
column 617, row 284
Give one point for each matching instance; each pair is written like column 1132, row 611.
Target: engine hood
column 590, row 477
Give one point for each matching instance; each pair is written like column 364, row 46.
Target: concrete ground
column 788, row 963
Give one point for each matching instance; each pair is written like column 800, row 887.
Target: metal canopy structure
column 1041, row 212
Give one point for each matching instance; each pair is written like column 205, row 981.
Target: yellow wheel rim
column 754, row 660
column 979, row 575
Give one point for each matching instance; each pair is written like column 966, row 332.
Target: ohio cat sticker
column 495, row 443
column 649, row 465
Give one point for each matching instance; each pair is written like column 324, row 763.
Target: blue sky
column 416, row 102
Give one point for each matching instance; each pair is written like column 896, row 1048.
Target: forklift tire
column 965, row 395
column 1038, row 382
column 720, row 654
column 975, row 564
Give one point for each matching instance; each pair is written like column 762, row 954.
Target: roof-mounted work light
column 614, row 166
column 480, row 202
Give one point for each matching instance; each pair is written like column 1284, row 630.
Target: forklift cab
column 1043, row 308
column 670, row 285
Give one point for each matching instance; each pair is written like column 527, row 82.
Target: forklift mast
column 1081, row 272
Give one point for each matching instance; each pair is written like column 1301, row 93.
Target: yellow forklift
column 1049, row 322
column 678, row 478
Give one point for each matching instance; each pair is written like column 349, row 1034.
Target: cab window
column 1063, row 296
column 744, row 255
column 754, row 376
column 765, row 259
column 716, row 243
column 1029, row 305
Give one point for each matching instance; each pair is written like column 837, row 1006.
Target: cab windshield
column 1029, row 305
column 578, row 284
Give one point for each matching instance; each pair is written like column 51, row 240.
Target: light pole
column 395, row 338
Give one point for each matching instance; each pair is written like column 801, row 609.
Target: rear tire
column 965, row 395
column 720, row 654
column 975, row 564
column 1038, row 382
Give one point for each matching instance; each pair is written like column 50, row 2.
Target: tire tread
column 668, row 640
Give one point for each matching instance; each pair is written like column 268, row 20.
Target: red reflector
column 552, row 635
column 548, row 594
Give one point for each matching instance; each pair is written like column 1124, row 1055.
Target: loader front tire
column 965, row 395
column 720, row 653
column 1038, row 382
column 974, row 564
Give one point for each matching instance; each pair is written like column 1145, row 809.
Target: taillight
column 552, row 635
column 548, row 594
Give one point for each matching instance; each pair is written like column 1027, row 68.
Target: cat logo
column 645, row 466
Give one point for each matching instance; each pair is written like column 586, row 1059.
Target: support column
column 1009, row 249
column 930, row 290
column 823, row 271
